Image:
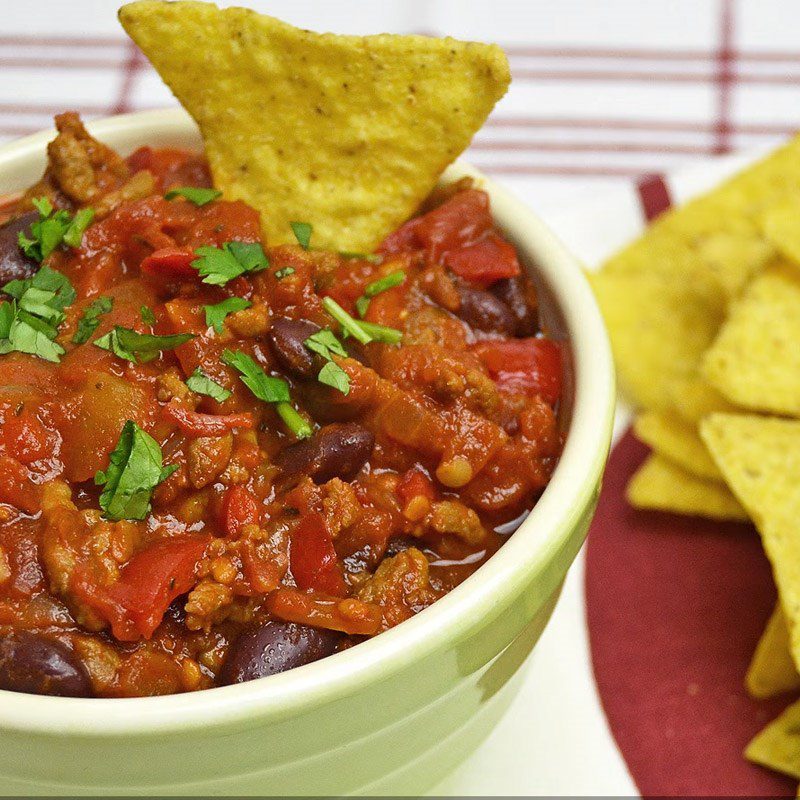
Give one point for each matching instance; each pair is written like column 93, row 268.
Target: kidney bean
column 520, row 298
column 335, row 451
column 275, row 647
column 14, row 263
column 36, row 664
column 286, row 337
column 485, row 312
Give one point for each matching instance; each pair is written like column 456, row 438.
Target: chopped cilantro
column 263, row 386
column 373, row 258
column 194, row 194
column 376, row 287
column 135, row 468
column 382, row 333
column 302, row 232
column 285, row 272
column 215, row 315
column 200, row 383
column 88, row 323
column 325, row 343
column 52, row 229
column 138, row 347
column 218, row 265
column 351, row 326
column 29, row 323
column 333, row 375
column 147, row 315
column 269, row 389
column 48, row 280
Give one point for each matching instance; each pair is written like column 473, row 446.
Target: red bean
column 275, row 647
column 14, row 263
column 339, row 450
column 36, row 664
column 519, row 297
column 483, row 311
column 286, row 338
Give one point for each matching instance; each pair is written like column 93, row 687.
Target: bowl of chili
column 397, row 710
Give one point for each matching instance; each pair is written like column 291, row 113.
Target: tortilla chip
column 659, row 330
column 755, row 360
column 693, row 398
column 760, row 459
column 780, row 227
column 778, row 745
column 663, row 486
column 772, row 670
column 349, row 133
column 676, row 440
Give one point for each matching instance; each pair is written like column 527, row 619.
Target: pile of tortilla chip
column 703, row 312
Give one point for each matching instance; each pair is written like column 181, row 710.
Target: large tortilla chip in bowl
column 349, row 133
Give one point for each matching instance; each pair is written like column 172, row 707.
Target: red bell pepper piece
column 148, row 583
column 193, row 423
column 239, row 508
column 171, row 264
column 484, row 262
column 533, row 366
column 313, row 559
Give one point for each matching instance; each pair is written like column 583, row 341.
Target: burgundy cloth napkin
column 675, row 606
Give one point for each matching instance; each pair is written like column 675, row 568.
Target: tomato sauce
column 283, row 482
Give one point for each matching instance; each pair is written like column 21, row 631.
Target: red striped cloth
column 602, row 92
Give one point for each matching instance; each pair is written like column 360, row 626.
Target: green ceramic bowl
column 392, row 715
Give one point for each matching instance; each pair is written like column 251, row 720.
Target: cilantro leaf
column 25, row 333
column 194, row 194
column 325, row 343
column 264, row 387
column 73, row 235
column 135, row 469
column 373, row 258
column 302, row 232
column 48, row 280
column 215, row 315
column 147, row 315
column 52, row 229
column 200, row 383
column 88, row 323
column 382, row 333
column 333, row 375
column 285, row 272
column 376, row 287
column 138, row 347
column 350, row 326
column 218, row 265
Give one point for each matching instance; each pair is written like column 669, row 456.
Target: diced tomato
column 484, row 262
column 171, row 264
column 149, row 582
column 16, row 487
column 533, row 366
column 195, row 424
column 171, row 166
column 25, row 437
column 239, row 508
column 313, row 558
column 415, row 483
column 463, row 219
column 350, row 616
column 403, row 240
